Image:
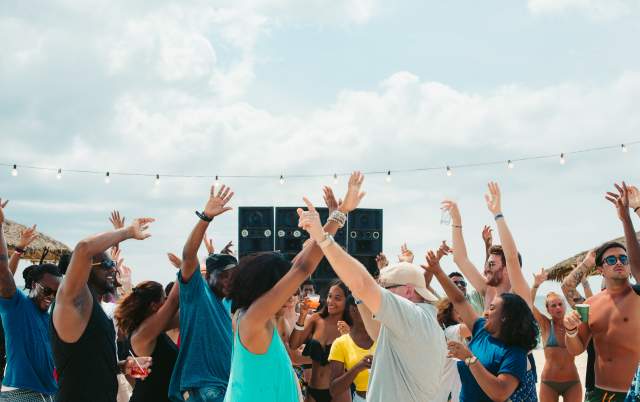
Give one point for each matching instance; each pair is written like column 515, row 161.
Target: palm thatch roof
column 37, row 248
column 559, row 271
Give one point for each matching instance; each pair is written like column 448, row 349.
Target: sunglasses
column 461, row 283
column 45, row 291
column 612, row 260
column 392, row 286
column 105, row 264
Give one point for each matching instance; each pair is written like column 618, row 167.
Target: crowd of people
column 259, row 329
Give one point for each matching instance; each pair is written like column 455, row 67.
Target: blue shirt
column 28, row 348
column 204, row 357
column 495, row 356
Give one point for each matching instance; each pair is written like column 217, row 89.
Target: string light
column 562, row 160
column 216, row 183
column 510, row 164
column 59, row 174
column 388, row 178
column 14, row 171
column 335, row 178
column 624, row 148
column 107, row 178
column 449, row 171
column 281, row 179
column 157, row 179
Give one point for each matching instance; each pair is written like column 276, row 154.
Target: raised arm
column 305, row 263
column 518, row 283
column 73, row 300
column 7, row 284
column 455, row 295
column 621, row 202
column 143, row 339
column 487, row 238
column 539, row 279
column 578, row 275
column 26, row 238
column 460, row 256
column 216, row 205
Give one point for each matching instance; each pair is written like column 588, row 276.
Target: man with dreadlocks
column 25, row 319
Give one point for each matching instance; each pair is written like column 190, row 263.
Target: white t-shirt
column 411, row 354
column 451, row 383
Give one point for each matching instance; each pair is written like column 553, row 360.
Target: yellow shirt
column 345, row 350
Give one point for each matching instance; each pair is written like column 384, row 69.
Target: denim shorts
column 206, row 394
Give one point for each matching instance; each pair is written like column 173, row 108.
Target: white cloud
column 597, row 9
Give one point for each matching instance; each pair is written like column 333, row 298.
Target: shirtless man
column 614, row 314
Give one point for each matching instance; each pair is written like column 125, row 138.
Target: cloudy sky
column 270, row 87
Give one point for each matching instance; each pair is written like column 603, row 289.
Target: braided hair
column 34, row 273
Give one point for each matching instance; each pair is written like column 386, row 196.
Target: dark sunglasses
column 45, row 291
column 105, row 264
column 612, row 259
column 461, row 283
column 392, row 286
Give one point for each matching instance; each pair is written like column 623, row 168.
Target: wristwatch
column 470, row 360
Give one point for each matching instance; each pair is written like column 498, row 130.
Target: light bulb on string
column 449, row 171
column 216, row 183
column 281, row 179
column 624, row 148
column 335, row 178
column 157, row 179
column 388, row 178
column 59, row 174
column 14, row 171
column 510, row 164
column 107, row 178
column 562, row 159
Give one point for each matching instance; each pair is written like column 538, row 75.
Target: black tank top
column 87, row 369
column 156, row 387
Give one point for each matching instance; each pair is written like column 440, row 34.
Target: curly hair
column 445, row 313
column 519, row 327
column 346, row 316
column 33, row 273
column 254, row 276
column 137, row 306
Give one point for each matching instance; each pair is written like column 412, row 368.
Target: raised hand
column 208, row 243
column 174, row 260
column 354, row 195
column 494, row 198
column 138, row 228
column 620, row 200
column 310, row 221
column 572, row 320
column 590, row 259
column 433, row 263
column 406, row 255
column 227, row 249
column 634, row 197
column 2, row 205
column 487, row 236
column 540, row 278
column 217, row 202
column 116, row 220
column 330, row 199
column 452, row 207
column 303, row 307
column 443, row 250
column 381, row 261
column 27, row 236
column 115, row 254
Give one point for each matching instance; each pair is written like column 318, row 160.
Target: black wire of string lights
column 448, row 169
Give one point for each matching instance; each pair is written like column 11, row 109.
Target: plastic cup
column 583, row 310
column 138, row 372
column 445, row 217
column 313, row 302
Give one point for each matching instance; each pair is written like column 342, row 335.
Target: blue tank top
column 267, row 377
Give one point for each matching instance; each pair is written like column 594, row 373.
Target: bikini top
column 552, row 341
column 317, row 352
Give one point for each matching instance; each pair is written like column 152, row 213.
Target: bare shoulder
column 597, row 298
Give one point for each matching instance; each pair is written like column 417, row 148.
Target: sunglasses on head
column 612, row 260
column 105, row 264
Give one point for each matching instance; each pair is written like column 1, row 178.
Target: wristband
column 204, row 217
column 328, row 239
column 299, row 327
column 19, row 250
column 572, row 334
column 338, row 217
column 498, row 216
column 457, row 226
column 636, row 209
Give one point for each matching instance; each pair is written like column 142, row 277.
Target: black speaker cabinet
column 255, row 230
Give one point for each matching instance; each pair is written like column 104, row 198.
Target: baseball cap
column 405, row 273
column 220, row 262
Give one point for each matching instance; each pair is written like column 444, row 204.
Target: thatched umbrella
column 39, row 245
column 559, row 271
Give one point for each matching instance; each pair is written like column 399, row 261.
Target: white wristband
column 328, row 239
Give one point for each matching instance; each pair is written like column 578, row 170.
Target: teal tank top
column 267, row 377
